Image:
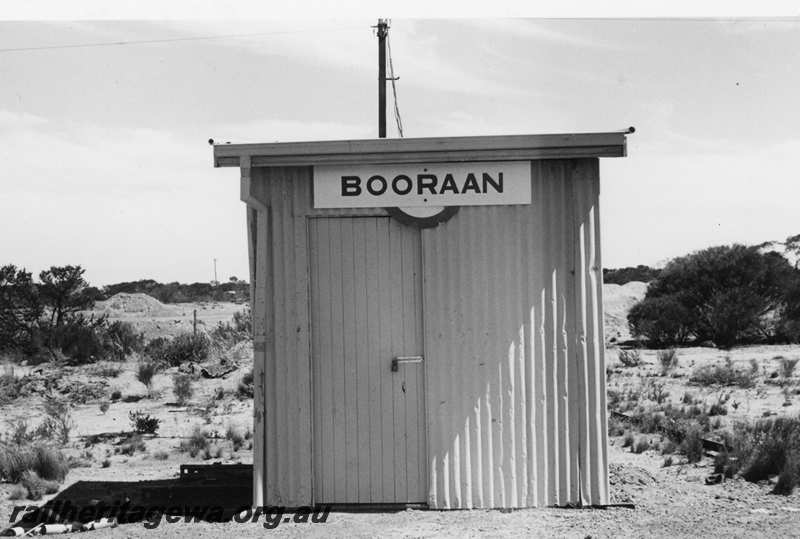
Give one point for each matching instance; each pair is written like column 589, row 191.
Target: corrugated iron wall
column 515, row 379
column 514, row 364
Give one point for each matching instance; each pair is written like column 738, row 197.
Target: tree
column 628, row 274
column 726, row 293
column 20, row 308
column 65, row 292
column 662, row 320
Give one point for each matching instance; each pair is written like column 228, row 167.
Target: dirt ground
column 669, row 502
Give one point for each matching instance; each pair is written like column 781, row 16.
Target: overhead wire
column 165, row 40
column 397, row 118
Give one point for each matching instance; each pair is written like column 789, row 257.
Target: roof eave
column 439, row 149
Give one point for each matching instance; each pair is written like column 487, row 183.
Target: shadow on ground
column 212, row 493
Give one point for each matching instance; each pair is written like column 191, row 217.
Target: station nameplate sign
column 422, row 185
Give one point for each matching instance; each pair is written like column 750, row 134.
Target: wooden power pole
column 383, row 30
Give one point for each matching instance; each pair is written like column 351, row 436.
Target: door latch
column 396, row 362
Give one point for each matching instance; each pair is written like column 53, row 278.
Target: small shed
column 428, row 322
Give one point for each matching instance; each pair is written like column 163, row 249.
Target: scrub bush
column 143, row 423
column 122, row 340
column 131, row 445
column 243, row 321
column 182, row 387
column 668, row 359
column 767, row 447
column 184, row 347
column 196, row 443
column 628, row 440
column 145, row 372
column 789, row 476
column 692, row 445
column 723, row 375
column 16, row 459
column 629, row 358
column 10, row 385
column 245, row 388
column 640, row 446
column 236, row 437
column 37, row 486
column 58, row 420
column 787, row 367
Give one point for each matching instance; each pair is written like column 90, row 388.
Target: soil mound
column 134, row 305
column 617, row 301
column 626, row 482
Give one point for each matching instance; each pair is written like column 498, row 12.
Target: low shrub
column 58, row 419
column 48, row 463
column 668, row 447
column 767, row 447
column 184, row 347
column 655, row 392
column 628, row 440
column 245, row 388
column 17, row 492
column 10, row 385
column 131, row 445
column 155, row 348
column 649, row 422
column 236, row 437
column 692, row 445
column 615, row 427
column 182, row 387
column 106, row 463
column 196, row 443
column 104, row 406
column 80, row 338
column 212, row 452
column 717, row 409
column 145, row 372
column 753, row 367
column 37, row 486
column 725, row 464
column 667, row 462
column 668, row 359
column 116, row 395
column 630, row 358
column 787, row 366
column 143, row 423
column 122, row 340
column 227, row 335
column 105, row 370
column 20, row 433
column 243, row 321
column 789, row 476
column 640, row 446
column 722, row 375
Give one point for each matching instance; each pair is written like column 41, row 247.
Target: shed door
column 366, row 301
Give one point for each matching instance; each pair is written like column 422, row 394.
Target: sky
column 105, row 160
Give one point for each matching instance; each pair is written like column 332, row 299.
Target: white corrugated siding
column 514, row 365
column 515, row 379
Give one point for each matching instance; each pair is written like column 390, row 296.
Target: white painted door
column 366, row 301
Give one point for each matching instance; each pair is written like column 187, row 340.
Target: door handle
column 399, row 360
